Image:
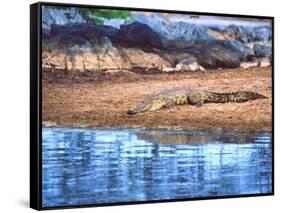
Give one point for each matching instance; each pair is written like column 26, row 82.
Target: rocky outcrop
column 189, row 64
column 263, row 33
column 79, row 54
column 247, row 65
column 151, row 43
column 139, row 35
column 182, row 62
column 216, row 54
column 88, row 47
column 85, row 30
column 265, row 62
column 52, row 16
column 144, row 60
column 173, row 30
column 252, row 42
column 262, row 62
column 173, row 34
column 262, row 50
column 239, row 33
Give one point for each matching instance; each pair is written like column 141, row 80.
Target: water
column 90, row 166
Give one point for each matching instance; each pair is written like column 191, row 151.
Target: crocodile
column 181, row 96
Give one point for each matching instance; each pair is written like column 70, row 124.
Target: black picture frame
column 36, row 103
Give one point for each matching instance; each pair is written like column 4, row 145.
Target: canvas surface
column 154, row 106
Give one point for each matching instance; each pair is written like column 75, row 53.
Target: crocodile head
column 147, row 106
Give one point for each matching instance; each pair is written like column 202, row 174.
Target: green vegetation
column 95, row 16
column 83, row 123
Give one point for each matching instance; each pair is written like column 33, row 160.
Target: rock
column 79, row 54
column 176, row 44
column 249, row 34
column 174, row 57
column 241, row 33
column 189, row 64
column 245, row 51
column 251, row 45
column 139, row 47
column 182, row 34
column 168, row 69
column 215, row 33
column 263, row 33
column 46, row 33
column 187, row 32
column 139, row 35
column 265, row 62
column 173, row 34
column 247, row 65
column 51, row 65
column 84, row 47
column 234, row 32
column 84, row 30
column 202, row 68
column 262, row 50
column 144, row 60
column 118, row 71
column 61, row 17
column 216, row 54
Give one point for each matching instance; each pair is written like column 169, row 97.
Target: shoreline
column 115, row 128
column 101, row 100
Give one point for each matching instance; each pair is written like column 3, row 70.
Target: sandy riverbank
column 102, row 100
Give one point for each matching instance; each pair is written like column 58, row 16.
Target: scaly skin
column 182, row 96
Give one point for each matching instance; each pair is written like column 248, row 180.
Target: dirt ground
column 102, row 100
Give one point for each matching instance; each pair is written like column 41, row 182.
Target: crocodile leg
column 196, row 100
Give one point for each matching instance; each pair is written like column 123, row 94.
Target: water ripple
column 90, row 166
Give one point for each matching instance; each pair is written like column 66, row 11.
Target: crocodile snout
column 131, row 112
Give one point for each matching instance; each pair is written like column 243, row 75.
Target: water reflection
column 83, row 166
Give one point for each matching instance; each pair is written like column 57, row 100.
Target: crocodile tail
column 243, row 96
column 240, row 96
